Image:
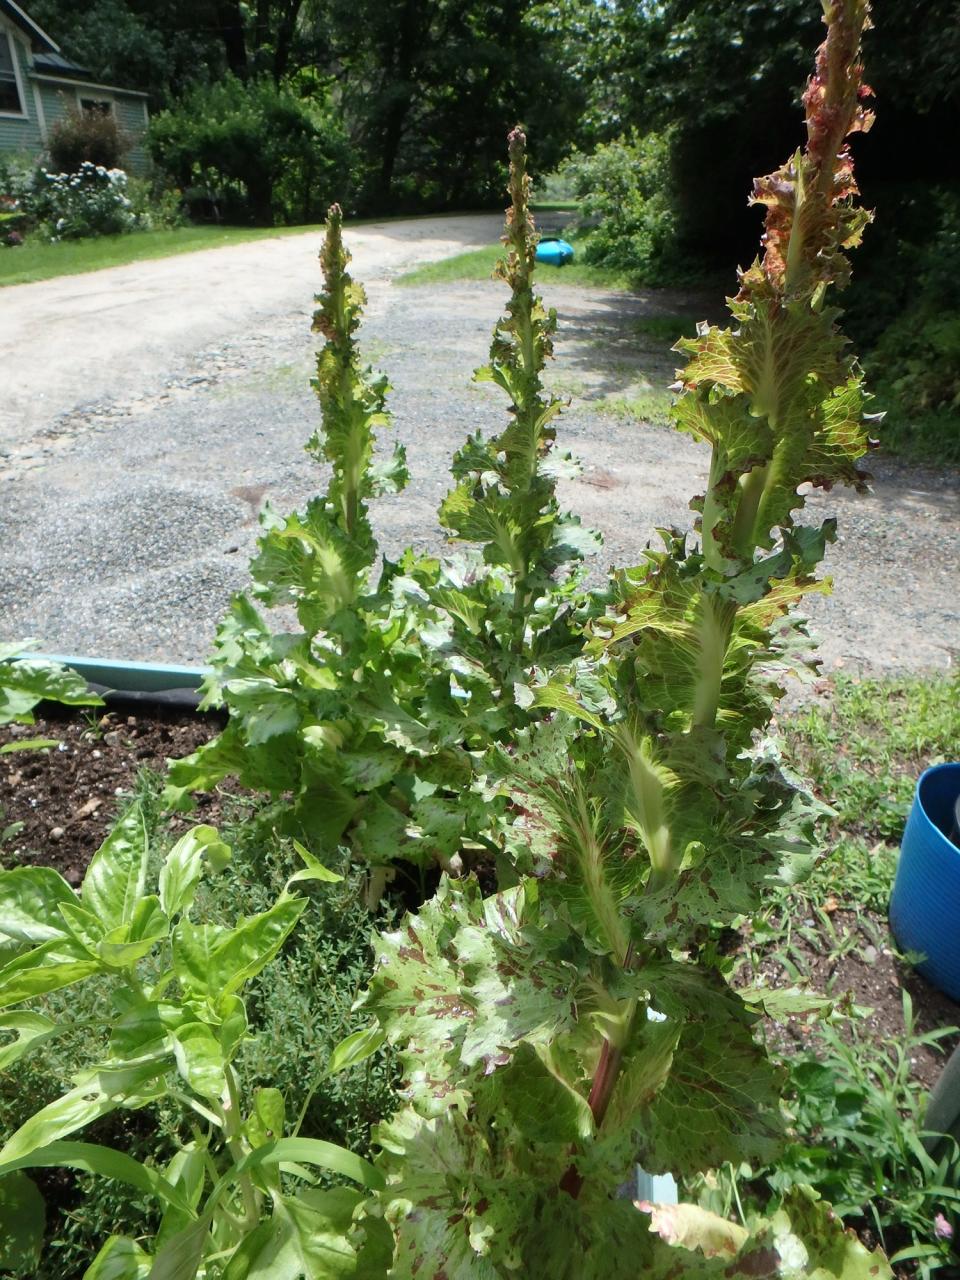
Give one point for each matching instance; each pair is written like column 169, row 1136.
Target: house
column 38, row 86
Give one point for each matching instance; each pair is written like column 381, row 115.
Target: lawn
column 478, row 264
column 40, row 260
column 857, row 1081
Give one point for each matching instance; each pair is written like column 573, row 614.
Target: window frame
column 11, row 39
column 107, row 100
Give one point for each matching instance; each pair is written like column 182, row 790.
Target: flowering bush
column 13, row 209
column 91, row 202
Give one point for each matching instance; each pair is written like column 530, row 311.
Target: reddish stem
column 601, row 1091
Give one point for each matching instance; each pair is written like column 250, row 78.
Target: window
column 9, row 88
column 100, row 106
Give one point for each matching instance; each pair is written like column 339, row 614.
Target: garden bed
column 60, row 802
column 830, row 933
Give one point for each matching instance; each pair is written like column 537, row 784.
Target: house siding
column 131, row 117
column 21, row 135
column 59, row 99
column 45, row 101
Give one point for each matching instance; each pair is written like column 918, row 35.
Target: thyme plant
column 555, row 1032
column 174, row 1024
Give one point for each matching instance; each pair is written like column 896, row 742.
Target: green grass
column 555, row 206
column 478, row 264
column 866, row 748
column 40, row 260
column 649, row 405
column 930, row 437
column 862, row 749
column 854, row 1109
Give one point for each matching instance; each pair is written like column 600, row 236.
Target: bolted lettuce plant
column 559, row 1030
column 505, row 495
column 305, row 706
column 236, row 1196
column 376, row 715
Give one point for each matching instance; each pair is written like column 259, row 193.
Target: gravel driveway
column 139, row 452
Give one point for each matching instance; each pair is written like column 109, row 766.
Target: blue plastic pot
column 557, row 252
column 925, row 906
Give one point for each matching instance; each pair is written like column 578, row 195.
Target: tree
column 287, row 157
column 429, row 87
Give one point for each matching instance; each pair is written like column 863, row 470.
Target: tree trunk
column 260, row 190
column 285, row 33
column 230, row 19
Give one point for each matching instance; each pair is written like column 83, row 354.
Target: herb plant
column 176, row 1024
column 556, row 1031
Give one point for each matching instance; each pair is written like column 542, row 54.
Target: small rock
column 56, row 833
column 870, row 954
column 96, row 755
column 112, row 739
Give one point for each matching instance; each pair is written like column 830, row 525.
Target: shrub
column 256, row 150
column 15, row 181
column 916, row 360
column 86, row 136
column 623, row 189
column 154, row 204
column 91, row 202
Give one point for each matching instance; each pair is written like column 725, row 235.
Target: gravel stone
column 128, row 539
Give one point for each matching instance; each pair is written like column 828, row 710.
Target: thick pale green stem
column 715, row 627
column 753, row 487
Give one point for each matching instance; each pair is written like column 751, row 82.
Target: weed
column 855, row 1112
column 856, row 1123
column 865, row 750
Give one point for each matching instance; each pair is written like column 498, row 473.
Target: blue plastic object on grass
column 555, row 251
column 925, row 905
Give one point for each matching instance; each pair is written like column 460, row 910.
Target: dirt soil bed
column 58, row 804
column 865, row 966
